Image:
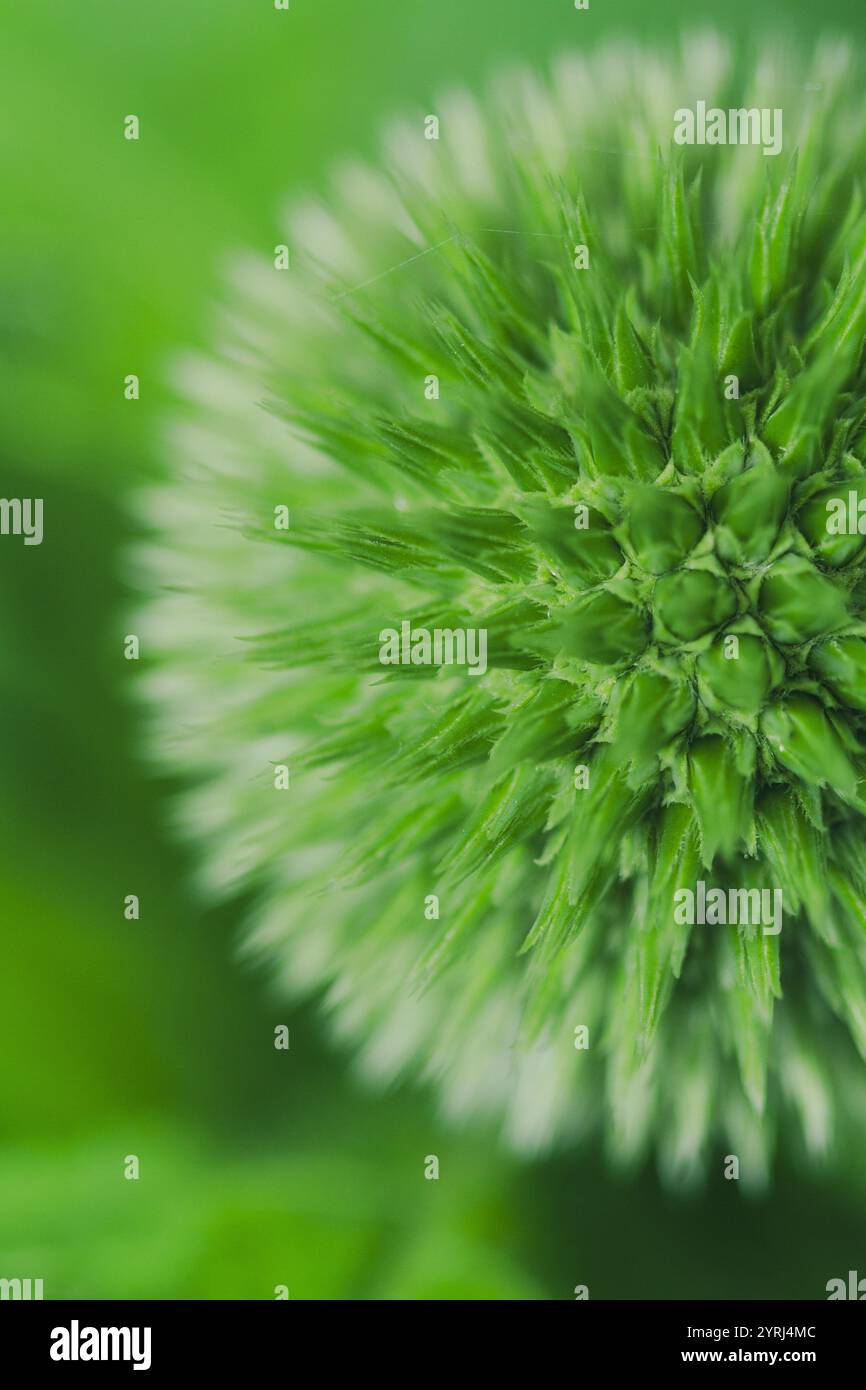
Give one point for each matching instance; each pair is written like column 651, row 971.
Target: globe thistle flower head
column 497, row 624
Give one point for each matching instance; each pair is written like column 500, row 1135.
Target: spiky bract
column 585, row 480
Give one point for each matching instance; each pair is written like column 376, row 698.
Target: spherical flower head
column 506, row 598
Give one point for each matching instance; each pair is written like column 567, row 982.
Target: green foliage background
column 258, row 1168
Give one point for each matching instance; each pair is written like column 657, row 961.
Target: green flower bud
column 459, row 407
column 633, row 366
column 798, row 603
column 742, row 681
column 826, row 522
column 841, row 665
column 721, row 796
column 590, row 553
column 699, row 430
column 603, row 629
column 804, row 741
column 749, row 512
column 692, row 603
column 662, row 527
column 651, row 712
